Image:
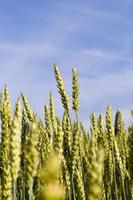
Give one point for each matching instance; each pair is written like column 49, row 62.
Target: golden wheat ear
column 52, row 112
column 28, row 109
column 6, row 126
column 61, row 88
column 50, row 187
column 15, row 146
column 31, row 158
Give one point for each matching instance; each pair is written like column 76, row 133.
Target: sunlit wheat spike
column 67, row 137
column 8, row 102
column 121, row 135
column 31, row 158
column 101, row 131
column 15, row 145
column 16, row 141
column 75, row 148
column 5, row 148
column 51, row 189
column 65, row 175
column 109, row 127
column 1, row 101
column 103, row 194
column 96, row 175
column 118, row 120
column 111, row 142
column 48, row 124
column 5, row 135
column 44, row 144
column 94, row 129
column 52, row 112
column 6, row 183
column 79, row 185
column 122, row 169
column 28, row 110
column 25, row 128
column 61, row 88
column 130, row 149
column 24, row 135
column 25, row 132
column 94, row 123
column 58, row 138
column 75, row 90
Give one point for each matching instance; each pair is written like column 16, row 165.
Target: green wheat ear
column 52, row 112
column 48, row 124
column 6, row 122
column 8, row 102
column 67, row 137
column 96, row 175
column 31, row 158
column 1, row 101
column 15, row 145
column 94, row 130
column 51, row 189
column 130, row 157
column 110, row 127
column 28, row 110
column 58, row 138
column 75, row 90
column 75, row 148
column 61, row 88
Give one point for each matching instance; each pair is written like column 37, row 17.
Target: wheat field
column 58, row 159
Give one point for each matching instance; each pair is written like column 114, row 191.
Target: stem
column 30, row 190
column 14, row 190
column 123, row 188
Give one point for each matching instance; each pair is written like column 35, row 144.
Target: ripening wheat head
column 61, row 88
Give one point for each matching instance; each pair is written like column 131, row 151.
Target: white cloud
column 21, row 68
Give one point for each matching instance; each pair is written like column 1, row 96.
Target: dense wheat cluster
column 57, row 159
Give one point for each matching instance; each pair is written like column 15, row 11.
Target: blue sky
column 94, row 36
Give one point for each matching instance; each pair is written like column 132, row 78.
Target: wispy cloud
column 99, row 53
column 90, row 10
column 27, row 60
